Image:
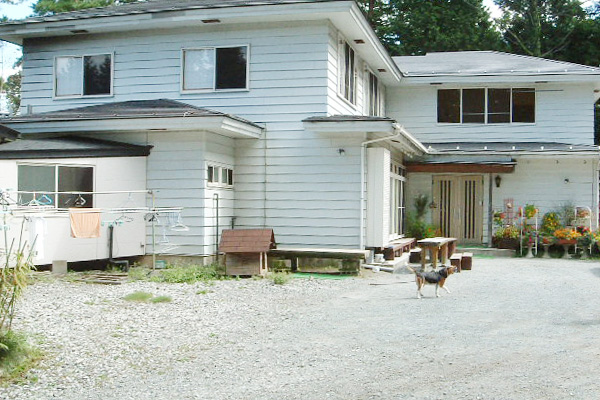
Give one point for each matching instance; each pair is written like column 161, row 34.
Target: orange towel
column 85, row 222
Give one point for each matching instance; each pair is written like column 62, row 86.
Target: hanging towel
column 37, row 233
column 85, row 223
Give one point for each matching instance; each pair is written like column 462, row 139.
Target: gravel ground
column 510, row 329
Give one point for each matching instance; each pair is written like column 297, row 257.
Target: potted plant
column 566, row 237
column 585, row 241
column 530, row 211
column 507, row 238
column 546, row 241
column 550, row 223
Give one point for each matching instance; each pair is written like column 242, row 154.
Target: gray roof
column 69, row 147
column 477, row 63
column 508, row 147
column 156, row 6
column 161, row 108
column 7, row 133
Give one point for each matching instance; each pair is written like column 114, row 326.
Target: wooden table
column 437, row 246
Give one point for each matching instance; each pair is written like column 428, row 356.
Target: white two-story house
column 283, row 114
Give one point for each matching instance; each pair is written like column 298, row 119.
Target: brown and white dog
column 437, row 278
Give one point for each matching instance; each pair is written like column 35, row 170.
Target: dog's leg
column 437, row 290
column 447, row 290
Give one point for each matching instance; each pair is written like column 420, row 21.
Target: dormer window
column 486, row 105
column 87, row 75
column 215, row 68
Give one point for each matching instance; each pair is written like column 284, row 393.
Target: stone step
column 486, row 251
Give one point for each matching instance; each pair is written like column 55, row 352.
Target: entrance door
column 459, row 206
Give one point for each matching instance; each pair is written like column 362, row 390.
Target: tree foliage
column 414, row 27
column 45, row 7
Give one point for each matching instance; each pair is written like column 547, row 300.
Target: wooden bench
column 351, row 259
column 398, row 247
column 437, row 246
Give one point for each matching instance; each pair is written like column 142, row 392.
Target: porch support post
column 490, row 209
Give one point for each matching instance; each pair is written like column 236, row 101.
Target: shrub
column 17, row 356
column 138, row 273
column 188, row 274
column 419, row 229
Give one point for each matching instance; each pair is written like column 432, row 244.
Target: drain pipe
column 124, row 264
column 216, row 205
column 398, row 131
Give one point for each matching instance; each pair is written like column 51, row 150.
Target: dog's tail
column 412, row 270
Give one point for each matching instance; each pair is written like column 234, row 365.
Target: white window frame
column 214, row 89
column 79, row 96
column 342, row 42
column 486, row 100
column 56, row 176
column 380, row 107
column 219, row 183
column 397, row 206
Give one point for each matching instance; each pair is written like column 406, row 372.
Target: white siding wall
column 535, row 181
column 564, row 113
column 378, row 197
column 292, row 180
column 110, row 174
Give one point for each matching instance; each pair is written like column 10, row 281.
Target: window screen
column 498, row 106
column 97, row 74
column 523, row 105
column 198, row 69
column 449, row 106
column 473, row 108
column 39, row 179
column 231, row 68
column 68, row 76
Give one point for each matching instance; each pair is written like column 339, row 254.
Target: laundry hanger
column 79, row 201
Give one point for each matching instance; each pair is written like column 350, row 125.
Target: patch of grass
column 141, row 297
column 17, row 356
column 280, row 278
column 188, row 274
column 138, row 273
column 161, row 299
column 204, row 291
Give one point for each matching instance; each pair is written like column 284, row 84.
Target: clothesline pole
column 153, row 235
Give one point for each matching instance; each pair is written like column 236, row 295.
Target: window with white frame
column 347, row 72
column 374, row 95
column 219, row 176
column 87, row 75
column 48, row 184
column 397, row 192
column 215, row 68
column 486, row 105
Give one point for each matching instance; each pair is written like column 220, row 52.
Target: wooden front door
column 458, row 211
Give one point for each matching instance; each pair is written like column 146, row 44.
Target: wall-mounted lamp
column 341, row 152
column 498, row 180
column 567, row 180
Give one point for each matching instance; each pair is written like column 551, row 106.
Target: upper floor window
column 374, row 95
column 347, row 72
column 88, row 75
column 47, row 184
column 491, row 105
column 215, row 68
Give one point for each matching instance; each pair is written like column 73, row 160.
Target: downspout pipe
column 398, row 132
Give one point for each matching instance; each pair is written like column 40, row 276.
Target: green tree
column 45, row 7
column 414, row 27
column 540, row 28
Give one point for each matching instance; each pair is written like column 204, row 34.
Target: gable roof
column 8, row 133
column 486, row 63
column 69, row 147
column 247, row 240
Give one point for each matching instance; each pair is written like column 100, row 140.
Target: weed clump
column 188, row 274
column 141, row 297
column 161, row 299
column 280, row 278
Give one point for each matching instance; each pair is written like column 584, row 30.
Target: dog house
column 246, row 250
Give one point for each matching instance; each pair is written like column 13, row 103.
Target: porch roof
column 140, row 115
column 69, row 147
column 508, row 148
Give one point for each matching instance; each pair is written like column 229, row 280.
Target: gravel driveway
column 510, row 329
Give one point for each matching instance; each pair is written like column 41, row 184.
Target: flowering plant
column 566, row 234
column 582, row 212
column 509, row 232
column 548, row 239
column 499, row 218
column 550, row 223
column 530, row 211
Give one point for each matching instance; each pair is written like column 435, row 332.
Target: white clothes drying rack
column 10, row 206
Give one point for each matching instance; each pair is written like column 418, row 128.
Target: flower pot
column 566, row 244
column 507, row 243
